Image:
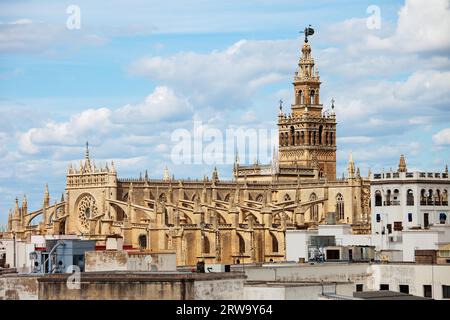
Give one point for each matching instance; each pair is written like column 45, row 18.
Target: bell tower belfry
column 307, row 136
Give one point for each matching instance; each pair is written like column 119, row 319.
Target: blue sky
column 138, row 70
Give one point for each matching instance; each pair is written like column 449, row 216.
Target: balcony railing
column 433, row 203
column 392, row 203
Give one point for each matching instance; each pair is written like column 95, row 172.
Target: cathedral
column 242, row 220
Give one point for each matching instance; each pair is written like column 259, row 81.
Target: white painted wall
column 297, row 244
column 370, row 275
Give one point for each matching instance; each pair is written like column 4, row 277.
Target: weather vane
column 308, row 32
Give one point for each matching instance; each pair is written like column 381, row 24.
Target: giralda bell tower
column 307, row 136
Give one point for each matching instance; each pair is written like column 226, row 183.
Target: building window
column 340, row 206
column 241, row 244
column 378, row 217
column 292, row 136
column 409, row 217
column 333, row 254
column 427, row 291
column 384, row 287
column 314, row 208
column 409, row 198
column 446, row 292
column 442, row 218
column 274, row 243
column 206, row 245
column 320, row 134
column 359, row 287
column 378, row 199
column 142, row 241
column 389, row 227
column 398, row 226
column 404, row 288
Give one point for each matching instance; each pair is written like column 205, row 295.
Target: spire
column 351, row 166
column 86, row 155
column 16, row 209
column 62, row 197
column 46, row 196
column 446, row 169
column 369, row 173
column 402, row 164
column 215, row 175
column 166, row 176
column 146, row 175
column 24, row 205
column 87, row 160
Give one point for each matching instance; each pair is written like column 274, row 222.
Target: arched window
column 437, row 197
column 430, row 197
column 274, row 243
column 320, row 134
column 292, row 136
column 287, row 197
column 302, row 137
column 423, row 197
column 340, row 206
column 396, row 195
column 311, row 97
column 241, row 244
column 378, row 199
column 297, row 138
column 409, row 198
column 314, row 209
column 206, row 245
column 314, row 138
column 326, row 138
column 445, row 198
column 331, row 138
column 388, row 198
column 302, row 98
column 142, row 240
column 227, row 198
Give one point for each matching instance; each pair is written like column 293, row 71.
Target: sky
column 131, row 76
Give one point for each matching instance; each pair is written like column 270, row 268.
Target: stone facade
column 243, row 220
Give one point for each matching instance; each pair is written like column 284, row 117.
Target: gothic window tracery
column 87, row 208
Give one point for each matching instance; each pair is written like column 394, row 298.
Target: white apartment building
column 410, row 210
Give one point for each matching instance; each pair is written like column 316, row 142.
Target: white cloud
column 222, row 78
column 442, row 137
column 161, row 104
column 98, row 125
column 28, row 36
column 72, row 132
column 422, row 26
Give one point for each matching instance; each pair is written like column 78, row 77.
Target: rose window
column 87, row 209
